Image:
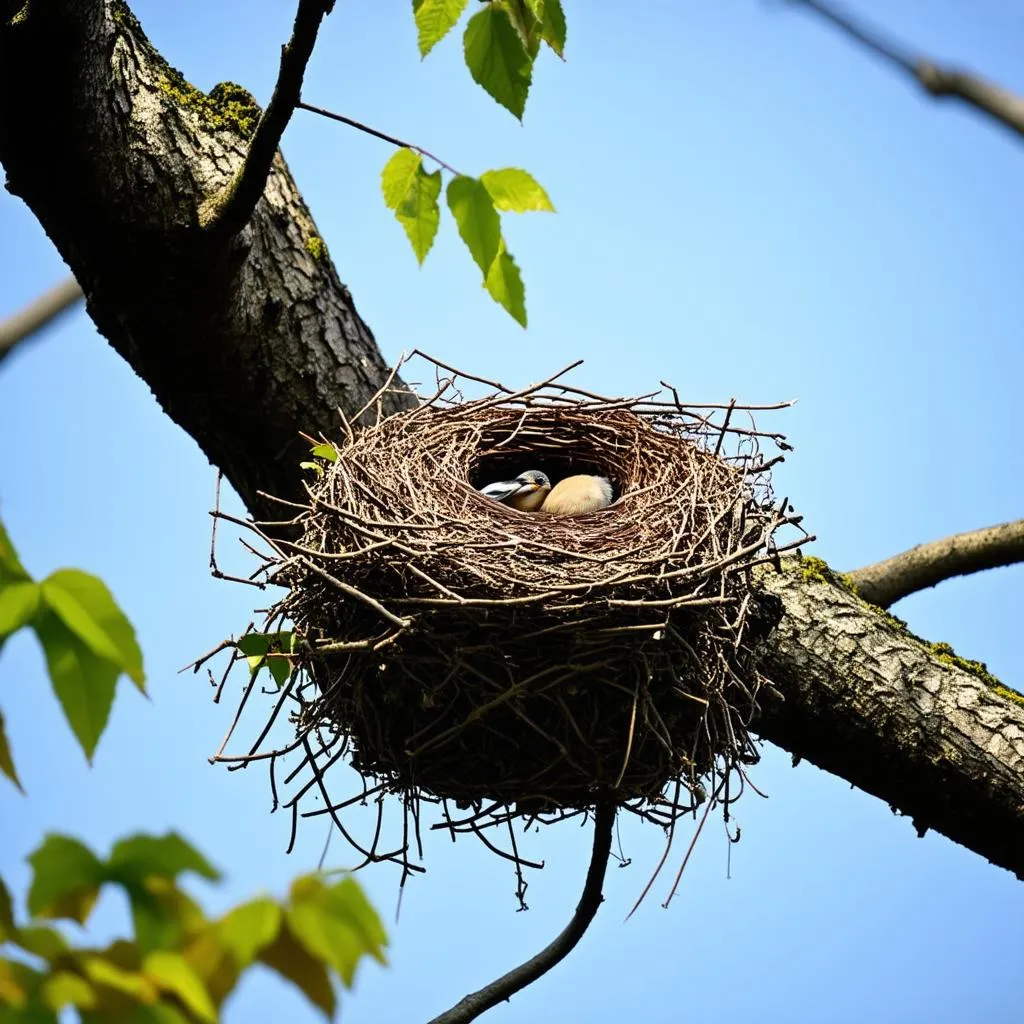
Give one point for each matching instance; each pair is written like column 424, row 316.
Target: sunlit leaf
column 85, row 605
column 523, row 16
column 476, row 218
column 6, row 761
column 83, row 681
column 292, row 960
column 553, row 26
column 497, row 58
column 172, row 973
column 213, row 961
column 63, row 988
column 516, row 190
column 325, row 451
column 336, row 924
column 270, row 649
column 397, row 176
column 505, row 286
column 13, row 991
column 19, row 600
column 249, row 928
column 104, row 971
column 66, row 878
column 10, row 565
column 162, row 914
column 169, row 855
column 419, row 213
column 434, row 20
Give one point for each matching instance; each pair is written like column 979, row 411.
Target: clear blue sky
column 747, row 207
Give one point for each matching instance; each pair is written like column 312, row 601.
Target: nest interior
column 466, row 651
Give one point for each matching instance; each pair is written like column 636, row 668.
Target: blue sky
column 748, row 207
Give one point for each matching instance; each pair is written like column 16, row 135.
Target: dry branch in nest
column 515, row 663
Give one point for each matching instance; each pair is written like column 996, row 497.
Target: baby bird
column 576, row 495
column 526, row 493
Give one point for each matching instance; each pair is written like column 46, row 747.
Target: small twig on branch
column 37, row 314
column 526, row 973
column 942, row 83
column 885, row 583
column 377, row 135
column 229, row 211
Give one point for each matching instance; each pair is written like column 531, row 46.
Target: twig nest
column 473, row 652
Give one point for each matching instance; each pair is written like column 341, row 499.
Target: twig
column 38, row 314
column 526, row 973
column 1004, row 106
column 228, row 212
column 923, row 566
column 377, row 135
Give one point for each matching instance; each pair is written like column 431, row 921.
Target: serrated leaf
column 83, row 681
column 396, row 178
column 19, row 600
column 172, row 973
column 418, row 212
column 553, row 26
column 325, row 451
column 476, row 218
column 168, row 856
column 63, row 988
column 497, row 58
column 336, row 924
column 66, row 879
column 505, row 286
column 85, row 605
column 11, row 568
column 45, row 943
column 6, row 761
column 292, row 960
column 434, row 20
column 250, row 928
column 523, row 16
column 516, row 190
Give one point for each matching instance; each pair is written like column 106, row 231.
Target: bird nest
column 517, row 663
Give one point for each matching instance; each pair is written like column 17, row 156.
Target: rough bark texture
column 244, row 343
column 898, row 717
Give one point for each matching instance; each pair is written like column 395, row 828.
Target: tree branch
column 923, row 566
column 231, row 209
column 37, row 314
column 526, row 973
column 931, row 734
column 1004, row 106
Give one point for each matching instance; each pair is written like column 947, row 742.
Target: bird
column 576, row 495
column 525, row 493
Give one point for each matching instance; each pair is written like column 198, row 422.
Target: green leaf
column 7, row 925
column 13, row 989
column 476, row 218
column 505, row 286
column 66, row 879
column 213, row 962
column 250, row 928
column 336, row 924
column 104, row 971
column 419, row 214
column 172, row 973
column 524, row 16
column 6, row 761
column 83, row 682
column 292, row 960
column 45, row 943
column 325, row 451
column 397, row 177
column 10, row 566
column 270, row 649
column 162, row 913
column 19, row 600
column 513, row 189
column 435, row 19
column 139, row 856
column 497, row 58
column 63, row 988
column 553, row 26
column 86, row 606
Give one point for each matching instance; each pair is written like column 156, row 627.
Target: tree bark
column 245, row 341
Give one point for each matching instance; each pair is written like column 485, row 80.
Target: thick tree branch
column 232, row 208
column 526, row 973
column 887, row 582
column 931, row 734
column 30, row 319
column 943, row 83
